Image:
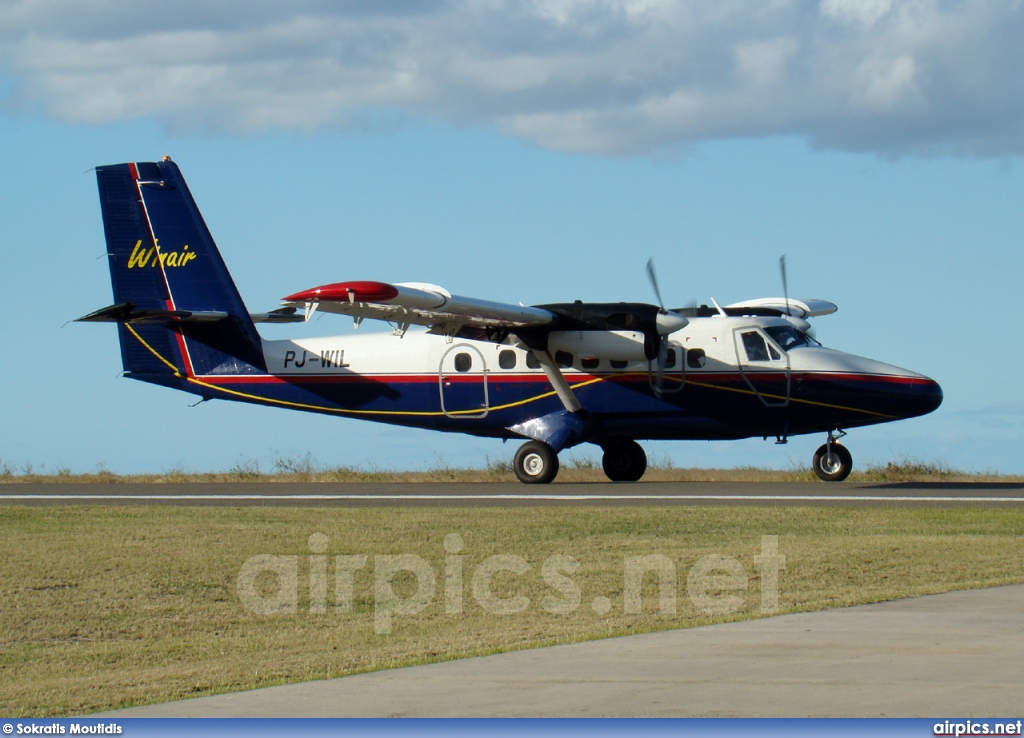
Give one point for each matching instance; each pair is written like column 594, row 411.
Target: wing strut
column 558, row 381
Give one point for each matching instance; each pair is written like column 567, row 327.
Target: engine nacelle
column 615, row 345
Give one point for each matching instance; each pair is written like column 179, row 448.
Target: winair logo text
column 142, row 257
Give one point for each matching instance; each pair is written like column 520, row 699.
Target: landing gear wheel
column 834, row 465
column 535, row 463
column 624, row 461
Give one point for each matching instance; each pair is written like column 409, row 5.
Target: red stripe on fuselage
column 832, row 376
column 540, row 378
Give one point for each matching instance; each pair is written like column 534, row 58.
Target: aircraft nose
column 920, row 397
column 931, row 397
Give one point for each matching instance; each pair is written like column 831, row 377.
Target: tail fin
column 179, row 312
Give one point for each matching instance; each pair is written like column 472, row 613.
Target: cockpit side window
column 757, row 348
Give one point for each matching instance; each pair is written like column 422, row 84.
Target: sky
column 520, row 152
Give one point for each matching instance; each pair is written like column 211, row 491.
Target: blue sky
column 521, row 152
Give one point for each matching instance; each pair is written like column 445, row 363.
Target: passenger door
column 462, row 381
column 764, row 366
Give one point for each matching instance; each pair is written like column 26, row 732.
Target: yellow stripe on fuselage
column 474, row 411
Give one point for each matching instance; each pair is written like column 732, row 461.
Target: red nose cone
column 348, row 291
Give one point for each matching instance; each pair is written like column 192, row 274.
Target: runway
column 379, row 494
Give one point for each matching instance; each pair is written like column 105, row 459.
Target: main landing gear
column 624, row 461
column 537, row 463
column 833, row 462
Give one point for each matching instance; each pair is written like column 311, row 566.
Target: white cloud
column 611, row 77
column 865, row 13
column 886, row 84
column 763, row 63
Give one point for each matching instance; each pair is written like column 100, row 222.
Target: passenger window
column 531, row 361
column 507, row 359
column 619, row 364
column 591, row 363
column 696, row 358
column 463, row 362
column 563, row 359
column 670, row 359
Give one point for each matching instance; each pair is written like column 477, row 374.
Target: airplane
column 554, row 376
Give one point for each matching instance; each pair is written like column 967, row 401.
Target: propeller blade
column 651, row 339
column 785, row 286
column 654, row 283
column 662, row 357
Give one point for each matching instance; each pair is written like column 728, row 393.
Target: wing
column 806, row 308
column 415, row 303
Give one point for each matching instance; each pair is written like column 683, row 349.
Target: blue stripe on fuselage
column 708, row 407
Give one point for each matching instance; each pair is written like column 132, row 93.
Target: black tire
column 624, row 461
column 535, row 463
column 835, row 467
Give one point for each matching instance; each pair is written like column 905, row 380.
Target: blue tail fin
column 179, row 312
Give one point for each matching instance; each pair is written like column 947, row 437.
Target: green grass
column 102, row 607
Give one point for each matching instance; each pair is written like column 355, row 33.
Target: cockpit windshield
column 789, row 337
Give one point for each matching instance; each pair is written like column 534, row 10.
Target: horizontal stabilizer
column 281, row 315
column 126, row 312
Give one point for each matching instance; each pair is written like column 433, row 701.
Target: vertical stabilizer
column 178, row 308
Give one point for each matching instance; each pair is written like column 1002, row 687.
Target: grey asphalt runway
column 958, row 654
column 514, row 494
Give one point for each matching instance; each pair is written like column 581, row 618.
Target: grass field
column 102, row 607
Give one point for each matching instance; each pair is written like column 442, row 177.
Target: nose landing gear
column 833, row 462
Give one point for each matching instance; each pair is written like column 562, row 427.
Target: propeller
column 666, row 322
